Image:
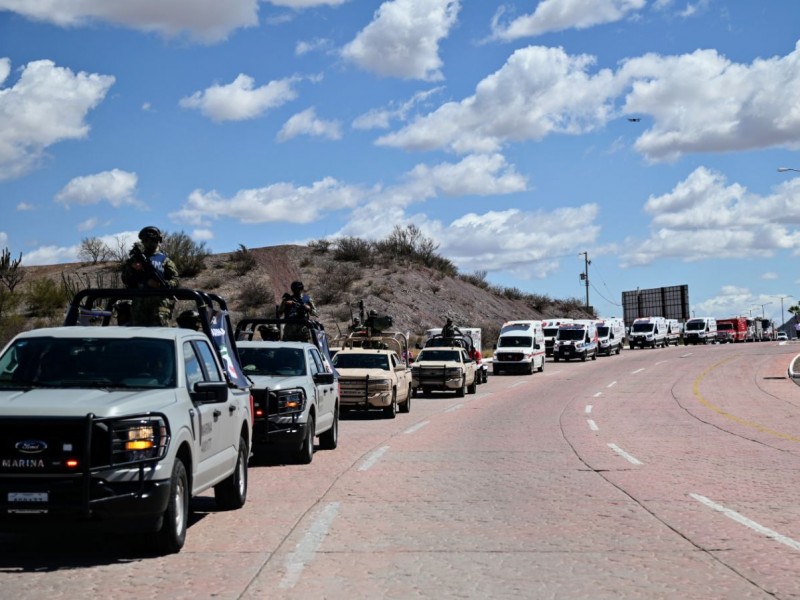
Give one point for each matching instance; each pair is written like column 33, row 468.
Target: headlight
column 453, row 372
column 380, row 385
column 415, row 371
column 139, row 440
column 290, row 401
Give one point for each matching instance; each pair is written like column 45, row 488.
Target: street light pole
column 783, row 315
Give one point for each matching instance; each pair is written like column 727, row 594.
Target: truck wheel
column 530, row 368
column 460, row 392
column 583, row 357
column 555, row 358
column 172, row 533
column 390, row 412
column 594, row 356
column 485, row 375
column 405, row 407
column 231, row 493
column 305, row 453
column 495, row 370
column 330, row 439
column 472, row 388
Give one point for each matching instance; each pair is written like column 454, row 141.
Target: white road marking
column 598, row 394
column 637, row 371
column 661, row 362
column 625, row 455
column 774, row 535
column 454, row 408
column 588, row 409
column 612, row 384
column 592, row 425
column 523, row 382
column 307, row 547
column 688, row 354
column 373, row 458
column 416, row 427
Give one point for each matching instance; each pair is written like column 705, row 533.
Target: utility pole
column 585, row 275
column 783, row 316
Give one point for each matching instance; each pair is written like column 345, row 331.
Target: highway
column 665, row 473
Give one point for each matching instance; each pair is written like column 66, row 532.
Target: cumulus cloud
column 52, row 255
column 202, row 235
column 88, row 224
column 403, row 39
column 314, row 45
column 47, row 105
column 307, row 123
column 704, row 217
column 280, row 202
column 115, row 187
column 23, row 206
column 557, row 15
column 381, row 118
column 203, row 20
column 241, row 99
column 306, row 3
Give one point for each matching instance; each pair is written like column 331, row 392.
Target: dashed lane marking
column 598, row 394
column 373, row 458
column 454, row 408
column 637, row 371
column 612, row 384
column 523, row 382
column 625, row 455
column 307, row 547
column 592, row 425
column 588, row 409
column 731, row 514
column 416, row 427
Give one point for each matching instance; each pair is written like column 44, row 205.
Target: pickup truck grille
column 39, row 446
column 508, row 356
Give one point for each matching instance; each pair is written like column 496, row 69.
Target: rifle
column 150, row 271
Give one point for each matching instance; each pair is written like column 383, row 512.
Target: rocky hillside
column 417, row 297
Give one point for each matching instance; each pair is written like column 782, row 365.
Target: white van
column 520, row 347
column 674, row 332
column 610, row 335
column 576, row 340
column 702, row 330
column 550, row 327
column 648, row 332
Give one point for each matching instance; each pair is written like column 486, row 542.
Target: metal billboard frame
column 670, row 302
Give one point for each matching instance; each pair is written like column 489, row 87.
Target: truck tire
column 231, row 493
column 405, row 407
column 473, row 387
column 541, row 367
column 529, row 370
column 171, row 535
column 594, row 356
column 495, row 370
column 330, row 439
column 583, row 357
column 461, row 392
column 305, row 453
column 390, row 412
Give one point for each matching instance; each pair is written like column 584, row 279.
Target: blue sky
column 517, row 135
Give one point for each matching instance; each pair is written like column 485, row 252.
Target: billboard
column 668, row 302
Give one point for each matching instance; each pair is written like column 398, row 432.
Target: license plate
column 25, row 497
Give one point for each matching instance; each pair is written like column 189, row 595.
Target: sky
column 522, row 137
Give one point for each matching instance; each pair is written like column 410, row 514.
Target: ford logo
column 31, row 446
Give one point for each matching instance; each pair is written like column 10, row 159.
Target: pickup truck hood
column 279, row 382
column 362, row 373
column 79, row 402
column 438, row 364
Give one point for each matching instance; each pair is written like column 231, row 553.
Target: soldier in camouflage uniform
column 297, row 305
column 150, row 311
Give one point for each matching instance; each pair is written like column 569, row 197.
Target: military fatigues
column 151, row 311
column 297, row 307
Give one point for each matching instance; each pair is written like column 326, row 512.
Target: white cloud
column 202, row 235
column 307, row 123
column 537, row 92
column 204, row 20
column 47, row 105
column 381, row 118
column 403, row 39
column 22, row 206
column 557, row 15
column 52, row 255
column 306, row 3
column 3, row 239
column 88, row 224
column 704, row 217
column 769, row 276
column 314, row 45
column 280, row 202
column 116, row 187
column 241, row 100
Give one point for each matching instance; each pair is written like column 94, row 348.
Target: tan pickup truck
column 444, row 368
column 373, row 374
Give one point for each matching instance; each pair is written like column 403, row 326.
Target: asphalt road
column 668, row 473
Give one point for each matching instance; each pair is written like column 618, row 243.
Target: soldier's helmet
column 151, row 233
column 189, row 319
column 297, row 286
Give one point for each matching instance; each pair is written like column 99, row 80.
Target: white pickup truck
column 120, row 426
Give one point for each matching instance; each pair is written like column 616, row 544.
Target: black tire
column 330, row 439
column 583, row 357
column 461, row 392
column 530, row 368
column 541, row 367
column 405, row 407
column 495, row 371
column 390, row 412
column 555, row 358
column 171, row 535
column 473, row 387
column 305, row 452
column 594, row 356
column 231, row 493
column 485, row 375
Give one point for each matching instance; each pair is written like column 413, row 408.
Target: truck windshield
column 514, row 341
column 695, row 325
column 643, row 327
column 438, row 355
column 725, row 326
column 550, row 331
column 361, row 361
column 571, row 334
column 602, row 332
column 281, row 362
column 88, row 363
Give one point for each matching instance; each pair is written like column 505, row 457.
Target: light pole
column 762, row 308
column 783, row 318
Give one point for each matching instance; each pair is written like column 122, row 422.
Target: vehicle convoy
column 674, row 332
column 576, row 340
column 474, row 347
column 550, row 328
column 648, row 332
column 295, row 391
column 519, row 348
column 732, row 330
column 444, row 368
column 701, row 330
column 373, row 368
column 119, row 427
column 610, row 335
